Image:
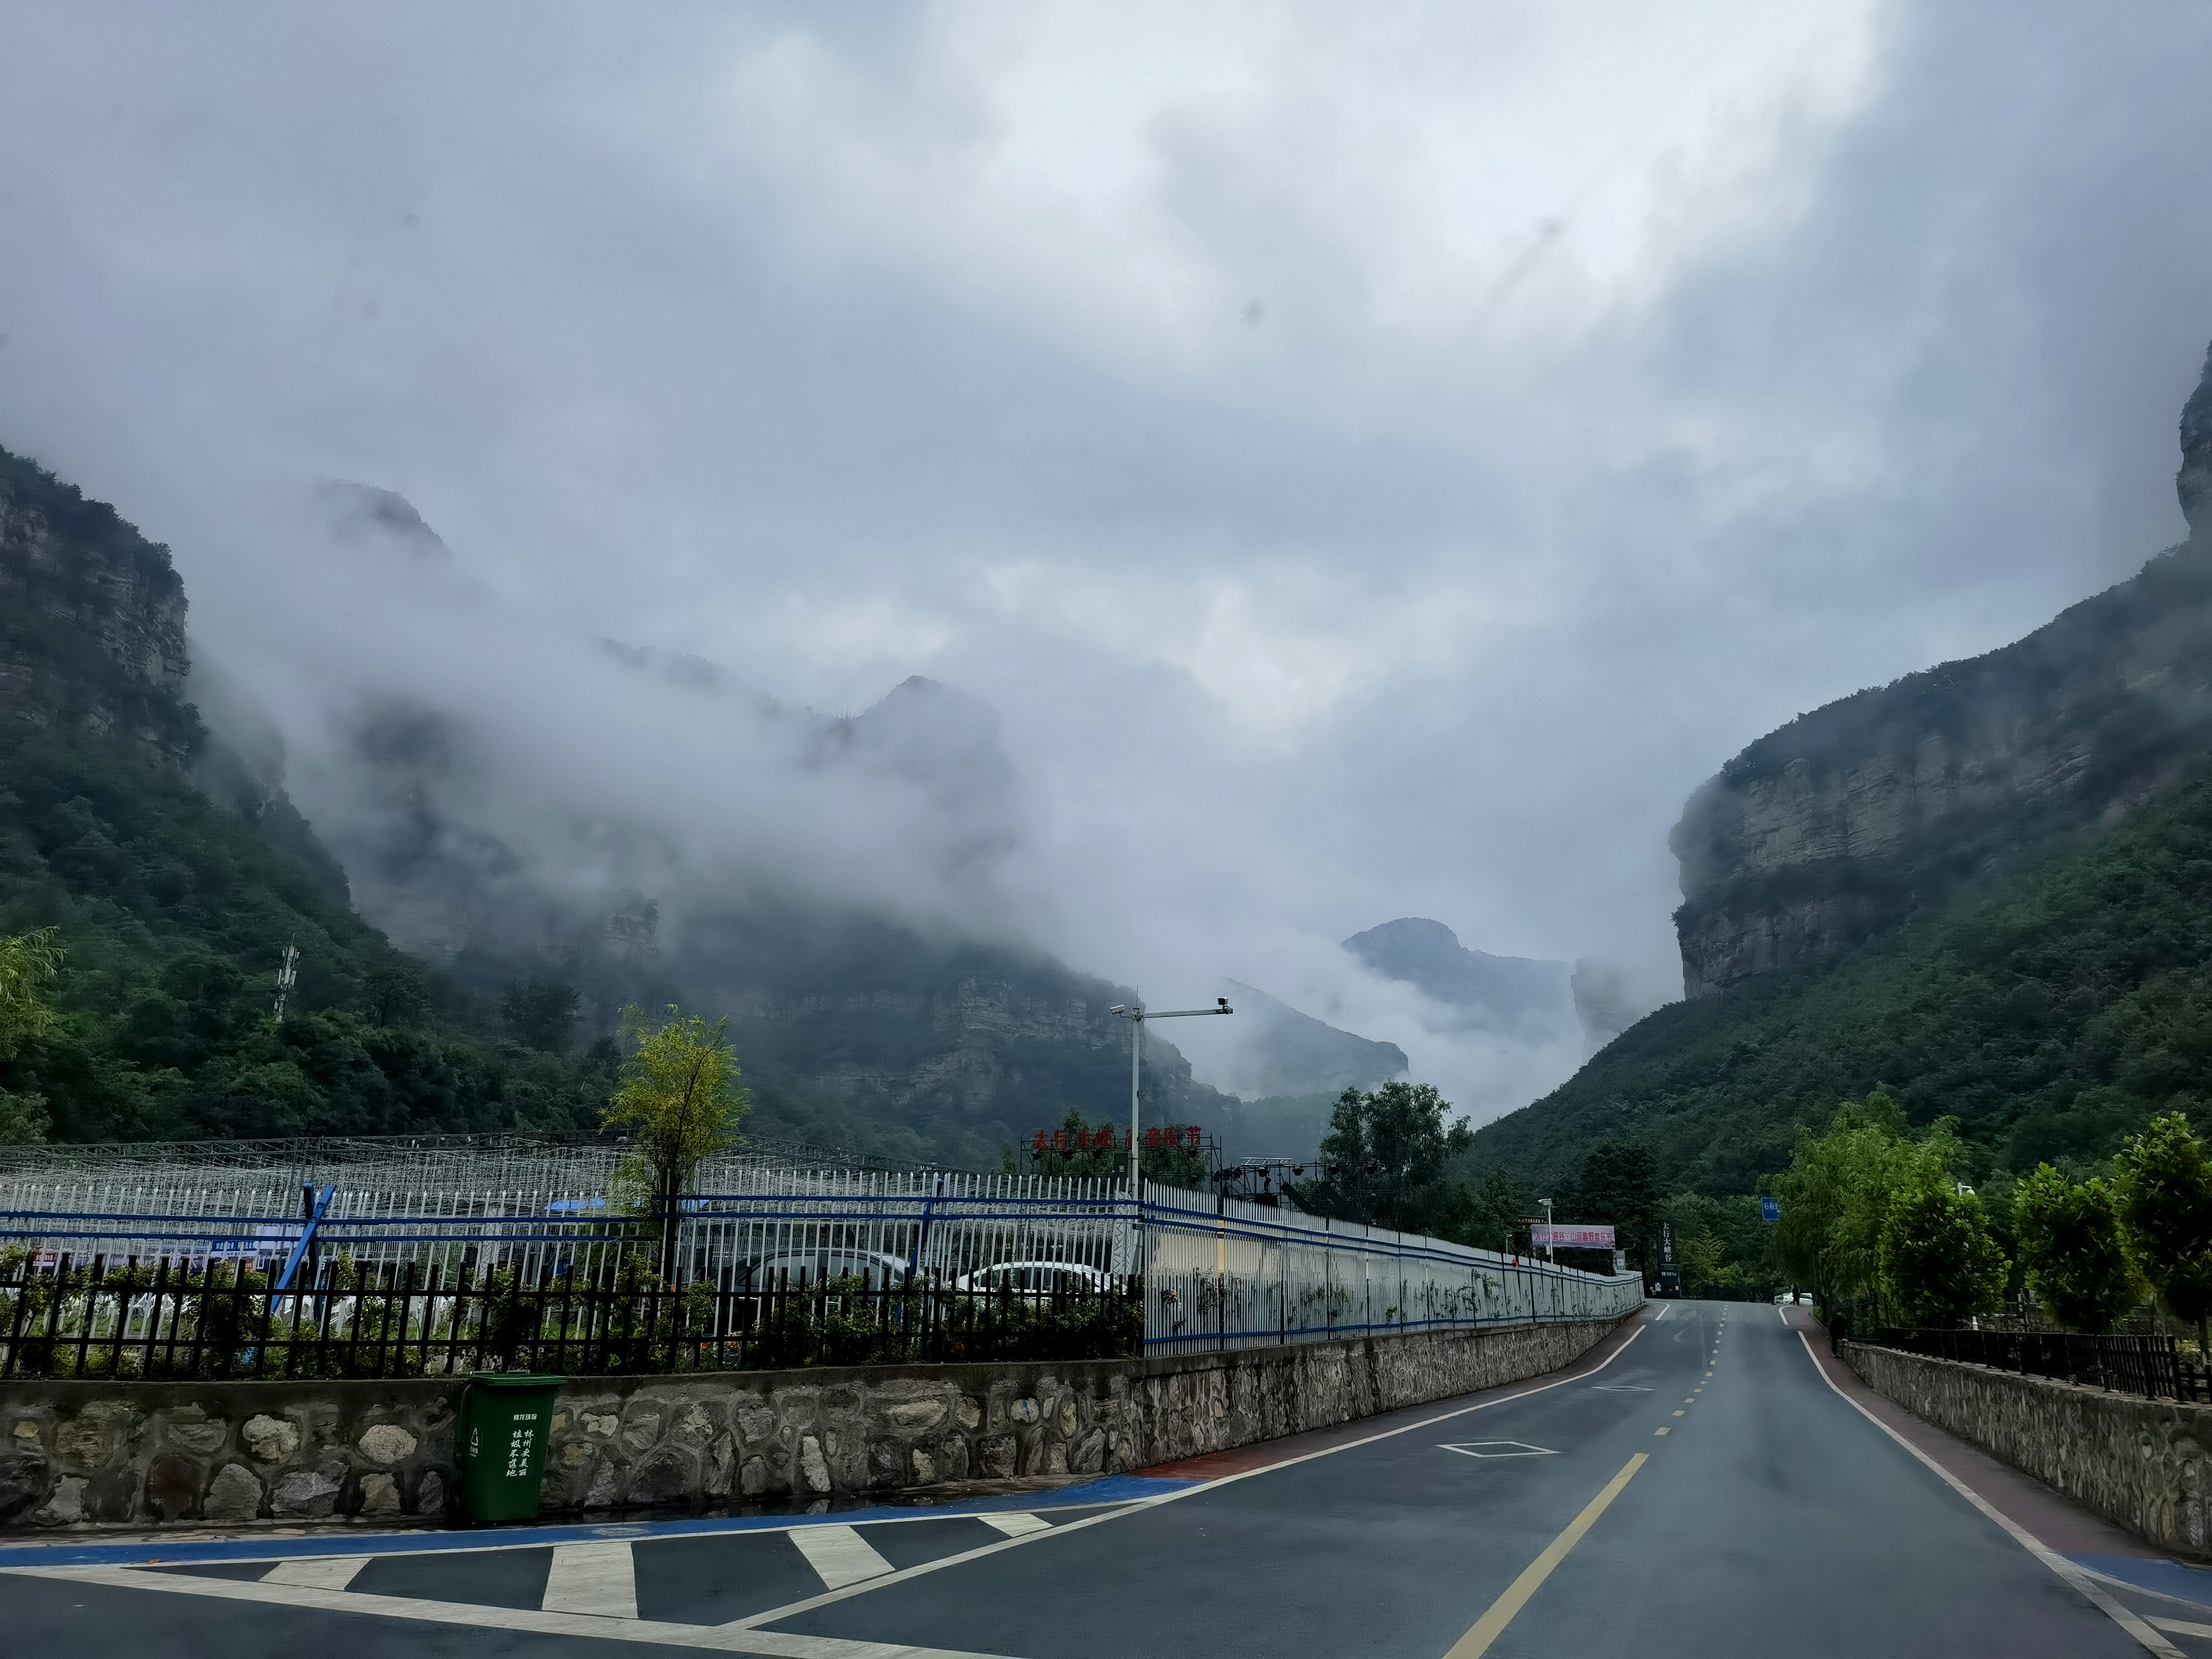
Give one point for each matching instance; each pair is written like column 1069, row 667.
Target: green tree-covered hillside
column 172, row 914
column 2051, row 1012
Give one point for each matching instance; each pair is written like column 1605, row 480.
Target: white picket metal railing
column 1218, row 1273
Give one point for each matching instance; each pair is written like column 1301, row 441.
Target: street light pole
column 1136, row 1013
column 1549, row 1257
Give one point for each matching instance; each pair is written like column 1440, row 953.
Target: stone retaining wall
column 154, row 1453
column 2138, row 1462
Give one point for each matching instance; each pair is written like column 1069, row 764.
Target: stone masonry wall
column 2140, row 1464
column 157, row 1453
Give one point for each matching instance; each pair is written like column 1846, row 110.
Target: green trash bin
column 506, row 1417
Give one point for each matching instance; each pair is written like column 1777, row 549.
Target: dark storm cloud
column 1375, row 465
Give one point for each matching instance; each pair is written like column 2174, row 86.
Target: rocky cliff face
column 1850, row 818
column 2194, row 482
column 92, row 620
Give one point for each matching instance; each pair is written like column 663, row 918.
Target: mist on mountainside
column 510, row 797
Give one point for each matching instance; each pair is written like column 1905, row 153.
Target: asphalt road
column 1703, row 1491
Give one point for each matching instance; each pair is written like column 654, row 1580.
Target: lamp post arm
column 1137, row 1015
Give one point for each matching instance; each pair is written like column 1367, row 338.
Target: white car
column 1046, row 1276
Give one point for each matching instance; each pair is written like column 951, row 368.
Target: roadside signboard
column 1769, row 1209
column 1569, row 1235
column 1667, row 1246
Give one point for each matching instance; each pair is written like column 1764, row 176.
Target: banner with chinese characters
column 1168, row 1137
column 1569, row 1236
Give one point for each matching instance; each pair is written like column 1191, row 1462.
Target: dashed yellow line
column 1488, row 1628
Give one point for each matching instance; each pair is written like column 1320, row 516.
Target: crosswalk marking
column 596, row 1578
column 840, row 1554
column 317, row 1571
column 1017, row 1526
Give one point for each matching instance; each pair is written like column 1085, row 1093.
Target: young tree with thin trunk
column 679, row 1099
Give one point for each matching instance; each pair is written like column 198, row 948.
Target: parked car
column 1045, row 1276
column 797, row 1268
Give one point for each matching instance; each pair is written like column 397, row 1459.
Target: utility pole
column 1137, row 1014
column 288, row 968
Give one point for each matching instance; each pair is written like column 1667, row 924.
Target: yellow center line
column 1488, row 1628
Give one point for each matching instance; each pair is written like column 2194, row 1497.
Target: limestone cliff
column 92, row 620
column 1848, row 820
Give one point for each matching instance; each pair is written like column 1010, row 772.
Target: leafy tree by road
column 2165, row 1205
column 680, row 1100
column 1939, row 1265
column 1840, row 1189
column 2070, row 1244
column 1384, row 1158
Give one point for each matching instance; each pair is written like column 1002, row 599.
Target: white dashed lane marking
column 331, row 1572
column 840, row 1554
column 1016, row 1526
column 596, row 1578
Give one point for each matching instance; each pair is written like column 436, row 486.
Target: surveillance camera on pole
column 1137, row 1014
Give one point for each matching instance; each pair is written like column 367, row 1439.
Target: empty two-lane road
column 1696, row 1488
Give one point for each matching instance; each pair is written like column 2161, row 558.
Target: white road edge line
column 633, row 1532
column 791, row 1610
column 1016, row 1525
column 2183, row 1627
column 720, row 1638
column 2140, row 1589
column 2071, row 1575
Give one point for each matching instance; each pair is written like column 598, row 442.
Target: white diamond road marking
column 317, row 1571
column 840, row 1554
column 1017, row 1526
column 593, row 1578
column 1497, row 1449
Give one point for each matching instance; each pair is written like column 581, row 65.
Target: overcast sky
column 1377, row 460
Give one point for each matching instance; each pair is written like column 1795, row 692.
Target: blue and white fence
column 1217, row 1273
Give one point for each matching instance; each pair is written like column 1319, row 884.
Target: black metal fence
column 223, row 1321
column 2126, row 1363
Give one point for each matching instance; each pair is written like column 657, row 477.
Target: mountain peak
column 1519, row 994
column 368, row 513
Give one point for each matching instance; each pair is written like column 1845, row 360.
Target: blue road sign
column 1769, row 1209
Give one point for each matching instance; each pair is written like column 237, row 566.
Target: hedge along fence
column 222, row 1321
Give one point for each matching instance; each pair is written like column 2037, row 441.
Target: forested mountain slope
column 2051, row 1010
